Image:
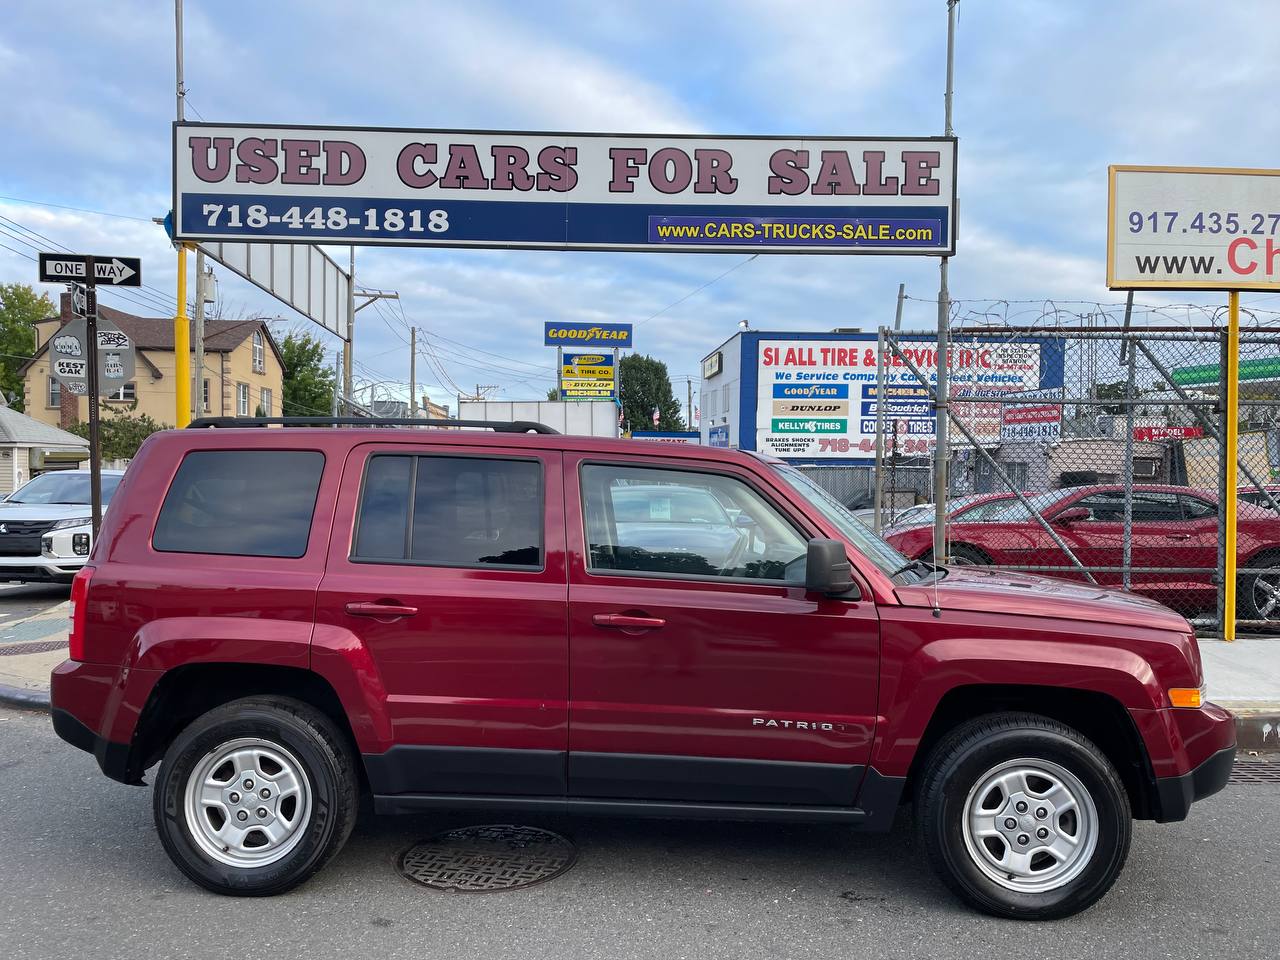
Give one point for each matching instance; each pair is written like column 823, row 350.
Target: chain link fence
column 1093, row 451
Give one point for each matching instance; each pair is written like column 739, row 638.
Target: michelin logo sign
column 587, row 334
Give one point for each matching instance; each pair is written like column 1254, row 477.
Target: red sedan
column 1174, row 544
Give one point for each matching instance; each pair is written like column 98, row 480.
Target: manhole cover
column 486, row 858
column 44, row 646
column 1255, row 771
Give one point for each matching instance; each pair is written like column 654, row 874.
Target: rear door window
column 451, row 512
column 247, row 503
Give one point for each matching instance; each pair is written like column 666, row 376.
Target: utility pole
column 337, row 379
column 349, row 349
column 941, row 451
column 413, row 372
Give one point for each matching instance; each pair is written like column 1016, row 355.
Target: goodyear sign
column 587, row 376
column 587, row 335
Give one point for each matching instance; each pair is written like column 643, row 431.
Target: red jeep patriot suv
column 514, row 620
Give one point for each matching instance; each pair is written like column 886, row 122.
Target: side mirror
column 827, row 569
column 1064, row 518
column 744, row 522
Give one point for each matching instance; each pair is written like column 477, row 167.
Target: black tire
column 1250, row 597
column 295, row 731
column 961, row 554
column 961, row 762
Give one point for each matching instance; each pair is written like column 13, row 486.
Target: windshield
column 69, row 487
column 863, row 539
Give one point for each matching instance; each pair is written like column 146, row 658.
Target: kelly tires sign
column 1193, row 228
column 465, row 188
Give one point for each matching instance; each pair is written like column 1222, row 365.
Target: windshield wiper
column 924, row 566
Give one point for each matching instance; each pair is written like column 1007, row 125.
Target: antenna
column 937, row 610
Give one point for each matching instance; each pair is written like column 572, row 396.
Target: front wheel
column 255, row 796
column 1023, row 817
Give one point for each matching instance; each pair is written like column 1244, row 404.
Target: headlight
column 71, row 522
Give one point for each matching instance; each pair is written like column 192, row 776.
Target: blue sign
column 587, row 334
column 718, row 436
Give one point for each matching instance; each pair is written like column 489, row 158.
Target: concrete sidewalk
column 1243, row 676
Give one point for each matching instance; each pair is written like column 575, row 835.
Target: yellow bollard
column 182, row 347
column 1232, row 416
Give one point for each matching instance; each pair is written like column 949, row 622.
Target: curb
column 24, row 699
column 1257, row 726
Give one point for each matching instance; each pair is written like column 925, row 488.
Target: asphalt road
column 19, row 600
column 83, row 875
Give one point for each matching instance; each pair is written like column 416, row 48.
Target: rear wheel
column 1258, row 589
column 1023, row 817
column 963, row 555
column 255, row 796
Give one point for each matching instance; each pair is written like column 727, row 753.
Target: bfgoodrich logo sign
column 587, row 334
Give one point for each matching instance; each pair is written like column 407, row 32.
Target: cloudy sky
column 1047, row 94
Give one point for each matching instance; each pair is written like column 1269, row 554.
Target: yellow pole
column 1232, row 441
column 182, row 347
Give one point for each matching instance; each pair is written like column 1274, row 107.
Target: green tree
column 120, row 433
column 309, row 383
column 645, row 384
column 553, row 394
column 20, row 308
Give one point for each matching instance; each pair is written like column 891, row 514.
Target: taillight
column 79, row 605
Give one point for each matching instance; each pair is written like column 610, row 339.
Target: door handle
column 624, row 621
column 378, row 609
column 1178, row 536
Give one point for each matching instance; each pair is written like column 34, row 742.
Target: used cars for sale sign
column 1194, row 228
column 467, row 188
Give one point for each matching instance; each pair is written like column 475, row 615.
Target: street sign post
column 76, row 267
column 88, row 353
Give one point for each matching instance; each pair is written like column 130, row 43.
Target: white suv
column 45, row 526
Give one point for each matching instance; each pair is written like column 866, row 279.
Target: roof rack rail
column 499, row 426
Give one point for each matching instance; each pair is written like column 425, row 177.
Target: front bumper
column 1176, row 794
column 60, row 565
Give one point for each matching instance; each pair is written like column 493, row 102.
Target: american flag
column 656, row 418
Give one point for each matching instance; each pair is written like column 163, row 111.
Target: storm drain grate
column 1255, row 771
column 44, row 646
column 488, row 858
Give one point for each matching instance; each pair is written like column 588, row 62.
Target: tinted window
column 251, row 503
column 451, row 511
column 683, row 523
column 1153, row 507
column 1196, row 509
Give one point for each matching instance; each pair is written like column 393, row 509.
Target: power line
column 697, row 290
column 62, row 206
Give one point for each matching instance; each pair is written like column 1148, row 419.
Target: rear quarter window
column 247, row 503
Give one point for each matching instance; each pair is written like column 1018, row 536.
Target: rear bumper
column 1176, row 794
column 85, row 704
column 113, row 758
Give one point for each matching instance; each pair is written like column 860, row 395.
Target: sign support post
column 91, row 375
column 1232, row 415
column 941, row 449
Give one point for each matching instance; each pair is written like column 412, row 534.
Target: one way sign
column 70, row 268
